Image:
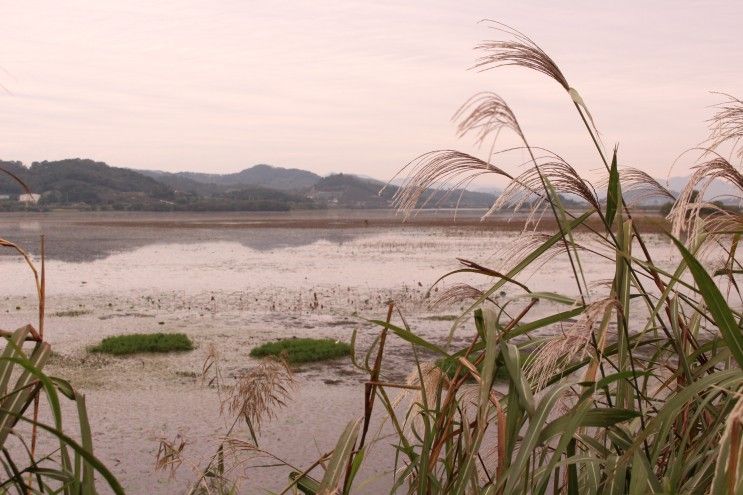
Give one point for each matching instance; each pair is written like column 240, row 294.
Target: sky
column 351, row 86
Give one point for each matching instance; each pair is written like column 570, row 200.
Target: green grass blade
column 716, row 303
column 338, row 461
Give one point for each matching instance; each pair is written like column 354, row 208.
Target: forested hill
column 359, row 192
column 281, row 179
column 87, row 184
column 77, row 180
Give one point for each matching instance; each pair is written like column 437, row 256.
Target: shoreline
column 326, row 220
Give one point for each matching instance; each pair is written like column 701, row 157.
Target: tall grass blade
column 717, row 305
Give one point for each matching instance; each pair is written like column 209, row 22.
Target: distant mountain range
column 79, row 183
column 281, row 179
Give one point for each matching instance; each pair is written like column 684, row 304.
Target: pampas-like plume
column 639, row 186
column 685, row 213
column 260, row 391
column 486, row 113
column 432, row 379
column 726, row 126
column 445, row 171
column 567, row 346
column 560, row 174
column 456, row 294
column 518, row 50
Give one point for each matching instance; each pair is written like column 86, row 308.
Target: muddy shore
column 232, row 287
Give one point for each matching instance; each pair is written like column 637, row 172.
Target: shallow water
column 231, row 282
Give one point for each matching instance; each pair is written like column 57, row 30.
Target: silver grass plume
column 639, row 186
column 456, row 294
column 528, row 188
column 519, row 50
column 567, row 346
column 686, row 212
column 726, row 126
column 484, row 114
column 444, row 170
column 260, row 391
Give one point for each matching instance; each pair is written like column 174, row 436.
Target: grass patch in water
column 120, row 345
column 303, row 350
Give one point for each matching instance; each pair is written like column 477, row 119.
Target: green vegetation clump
column 303, row 350
column 120, row 345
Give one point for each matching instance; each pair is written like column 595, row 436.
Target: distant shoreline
column 324, row 219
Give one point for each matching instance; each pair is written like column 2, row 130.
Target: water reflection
column 84, row 244
column 89, row 236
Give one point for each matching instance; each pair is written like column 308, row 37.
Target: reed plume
column 529, row 187
column 443, row 172
column 726, row 125
column 567, row 346
column 639, row 186
column 260, row 391
column 686, row 212
column 517, row 50
column 484, row 114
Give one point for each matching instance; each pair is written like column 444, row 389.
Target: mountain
column 281, row 179
column 718, row 190
column 80, row 183
column 89, row 184
column 78, row 180
column 180, row 183
column 352, row 191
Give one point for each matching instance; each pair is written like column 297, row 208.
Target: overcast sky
column 362, row 87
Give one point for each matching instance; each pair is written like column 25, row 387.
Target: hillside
column 281, row 179
column 82, row 181
column 87, row 184
column 352, row 191
column 181, row 183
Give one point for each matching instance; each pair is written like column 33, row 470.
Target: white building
column 29, row 198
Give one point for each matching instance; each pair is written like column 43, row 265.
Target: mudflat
column 235, row 281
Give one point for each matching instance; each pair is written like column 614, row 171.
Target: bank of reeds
column 632, row 385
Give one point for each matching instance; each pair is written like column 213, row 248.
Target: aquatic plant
column 302, row 350
column 121, row 345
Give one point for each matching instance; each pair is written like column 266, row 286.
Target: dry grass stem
column 170, row 454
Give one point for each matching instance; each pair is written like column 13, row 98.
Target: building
column 29, row 198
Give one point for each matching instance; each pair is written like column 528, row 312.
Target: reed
column 630, row 385
column 636, row 388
